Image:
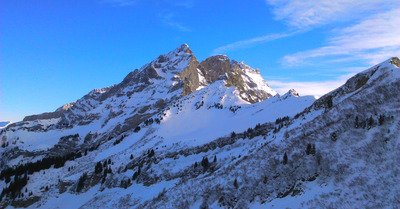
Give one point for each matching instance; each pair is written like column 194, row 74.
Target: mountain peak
column 290, row 93
column 183, row 48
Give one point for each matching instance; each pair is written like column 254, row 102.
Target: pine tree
column 333, row 136
column 329, row 102
column 308, row 150
column 381, row 119
column 81, row 182
column 135, row 175
column 235, row 184
column 151, row 153
column 233, row 134
column 205, row 163
column 131, row 157
column 99, row 168
column 105, row 172
column 356, row 122
column 137, row 129
column 285, row 159
column 370, row 122
column 215, row 158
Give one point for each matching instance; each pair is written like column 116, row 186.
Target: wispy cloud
column 304, row 15
column 316, row 88
column 312, row 13
column 373, row 39
column 168, row 19
column 250, row 42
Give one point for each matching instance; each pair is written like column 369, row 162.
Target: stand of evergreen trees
column 14, row 188
column 369, row 122
column 45, row 163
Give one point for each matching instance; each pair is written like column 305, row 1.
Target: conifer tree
column 308, row 150
column 356, row 122
column 285, row 159
column 205, row 163
column 370, row 122
column 235, row 184
column 381, row 119
column 233, row 134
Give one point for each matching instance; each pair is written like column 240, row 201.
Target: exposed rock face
column 43, row 116
column 395, row 61
column 248, row 81
column 190, row 74
column 215, row 66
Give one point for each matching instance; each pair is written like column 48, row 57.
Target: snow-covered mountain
column 179, row 133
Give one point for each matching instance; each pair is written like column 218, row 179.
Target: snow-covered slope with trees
column 178, row 133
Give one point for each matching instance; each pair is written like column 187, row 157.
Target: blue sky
column 54, row 52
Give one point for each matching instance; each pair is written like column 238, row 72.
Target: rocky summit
column 179, row 133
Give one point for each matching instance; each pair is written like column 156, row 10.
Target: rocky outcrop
column 44, row 116
column 215, row 66
column 190, row 76
column 395, row 61
column 238, row 75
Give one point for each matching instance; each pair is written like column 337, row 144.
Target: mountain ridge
column 157, row 147
column 190, row 77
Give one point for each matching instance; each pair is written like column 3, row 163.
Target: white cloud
column 373, row 39
column 249, row 42
column 303, row 15
column 315, row 88
column 168, row 19
column 311, row 13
